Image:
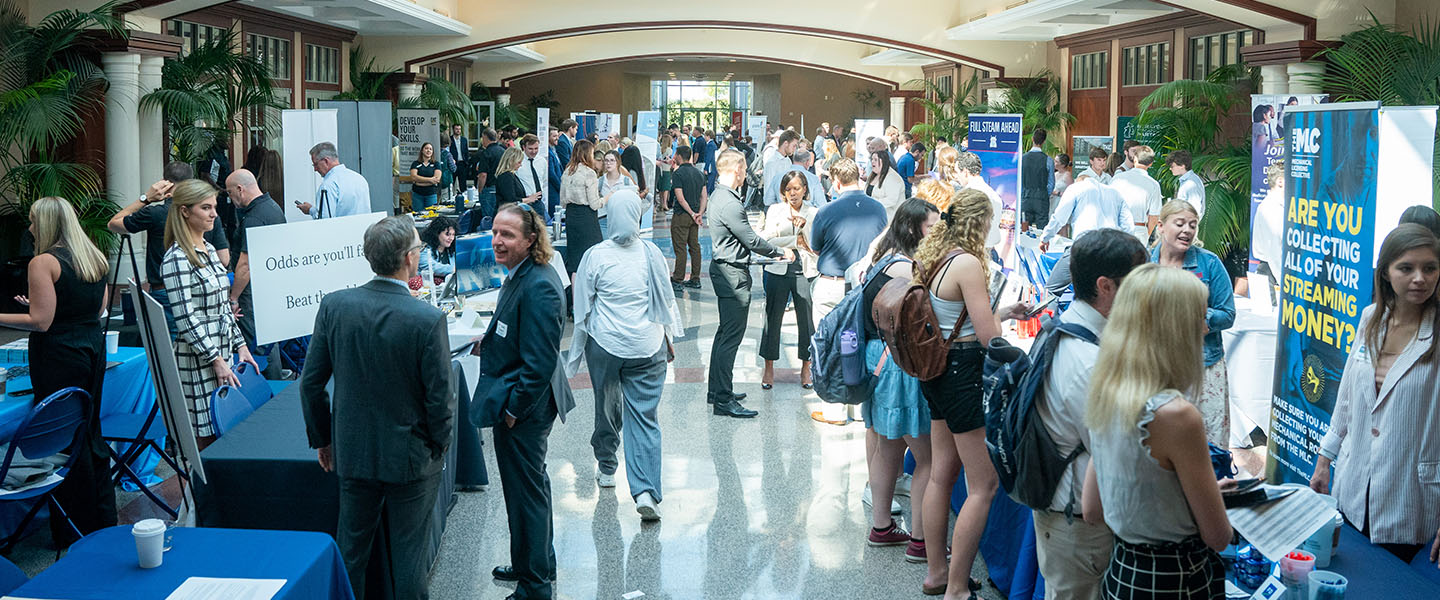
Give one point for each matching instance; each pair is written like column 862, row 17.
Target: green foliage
column 1190, row 115
column 505, row 113
column 868, row 99
column 367, row 80
column 948, row 112
column 446, row 97
column 1037, row 100
column 205, row 92
column 47, row 86
column 1381, row 62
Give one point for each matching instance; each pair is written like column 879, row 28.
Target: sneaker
column 891, row 536
column 605, row 480
column 693, row 284
column 902, row 485
column 915, row 551
column 645, row 505
column 867, row 501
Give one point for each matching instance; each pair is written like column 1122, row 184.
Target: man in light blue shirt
column 906, row 166
column 800, row 161
column 1087, row 205
column 342, row 192
column 778, row 163
column 1190, row 188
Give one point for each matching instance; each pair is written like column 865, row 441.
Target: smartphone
column 1039, row 308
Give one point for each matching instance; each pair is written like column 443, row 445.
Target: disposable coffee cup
column 112, row 342
column 149, row 542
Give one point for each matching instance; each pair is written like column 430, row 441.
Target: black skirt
column 582, row 230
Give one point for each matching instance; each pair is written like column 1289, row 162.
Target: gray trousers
column 627, row 393
column 1060, row 278
column 401, row 513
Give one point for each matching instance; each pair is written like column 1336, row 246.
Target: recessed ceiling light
column 732, row 60
column 669, row 60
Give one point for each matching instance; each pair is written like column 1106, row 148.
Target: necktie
column 535, row 176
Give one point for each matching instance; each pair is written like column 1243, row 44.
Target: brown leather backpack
column 906, row 321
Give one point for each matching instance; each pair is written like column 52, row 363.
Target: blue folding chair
column 464, row 226
column 139, row 432
column 11, row 577
column 487, row 223
column 253, row 385
column 57, row 424
column 228, row 407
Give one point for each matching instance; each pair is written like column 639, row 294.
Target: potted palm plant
column 947, row 111
column 1037, row 100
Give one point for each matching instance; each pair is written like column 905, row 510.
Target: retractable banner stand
column 542, row 160
column 996, row 139
column 864, row 130
column 1267, row 148
column 757, row 124
column 645, row 138
column 585, row 124
column 1350, row 170
column 365, row 144
column 302, row 129
column 294, row 265
column 415, row 126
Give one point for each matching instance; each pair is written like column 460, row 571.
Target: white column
column 997, row 95
column 897, row 113
column 122, row 126
column 502, row 98
column 1301, row 77
column 410, row 90
column 152, row 123
column 1274, row 79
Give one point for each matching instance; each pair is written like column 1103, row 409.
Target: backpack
column 1026, row 458
column 829, row 362
column 906, row 321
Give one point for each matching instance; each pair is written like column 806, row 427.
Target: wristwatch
column 142, row 199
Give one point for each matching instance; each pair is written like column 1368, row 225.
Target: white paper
column 1276, row 528
column 215, row 588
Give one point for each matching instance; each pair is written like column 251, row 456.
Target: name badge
column 1363, row 355
column 501, row 329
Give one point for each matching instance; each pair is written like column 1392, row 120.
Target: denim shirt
column 1220, row 314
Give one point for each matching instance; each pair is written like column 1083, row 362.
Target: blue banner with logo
column 1267, row 172
column 997, row 140
column 1330, row 161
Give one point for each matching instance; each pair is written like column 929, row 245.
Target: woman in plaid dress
column 206, row 333
column 1150, row 476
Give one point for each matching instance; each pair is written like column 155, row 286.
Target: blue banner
column 997, row 140
column 1267, row 147
column 1330, row 161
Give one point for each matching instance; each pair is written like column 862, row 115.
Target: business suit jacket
column 520, row 368
column 393, row 411
column 563, row 146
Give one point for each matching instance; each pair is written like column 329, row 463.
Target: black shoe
column 693, row 284
column 677, row 288
column 504, row 573
column 733, row 409
column 739, row 397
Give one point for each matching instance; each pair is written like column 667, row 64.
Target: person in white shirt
column 778, row 163
column 967, row 174
column 532, row 176
column 1129, row 152
column 1087, row 205
column 625, row 317
column 1072, row 552
column 1140, row 191
column 1098, row 156
column 1190, row 188
column 342, row 192
column 1268, row 228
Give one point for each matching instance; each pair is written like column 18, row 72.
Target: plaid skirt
column 1184, row 570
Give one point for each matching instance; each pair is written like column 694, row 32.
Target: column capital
column 128, row 61
column 1303, row 77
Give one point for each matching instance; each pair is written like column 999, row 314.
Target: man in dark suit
column 459, row 147
column 556, row 172
column 522, row 389
column 1037, row 180
column 563, row 146
column 391, row 421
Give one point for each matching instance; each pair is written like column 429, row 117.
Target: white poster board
column 160, row 353
column 294, row 265
column 757, row 124
column 542, row 160
column 647, row 131
column 414, row 127
column 866, row 129
column 302, row 130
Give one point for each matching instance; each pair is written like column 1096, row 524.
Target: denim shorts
column 956, row 396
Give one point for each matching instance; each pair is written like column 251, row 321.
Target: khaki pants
column 685, row 237
column 1073, row 556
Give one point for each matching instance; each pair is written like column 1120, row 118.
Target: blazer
column 508, row 188
column 1388, row 442
column 563, row 147
column 520, row 366
column 781, row 233
column 392, row 417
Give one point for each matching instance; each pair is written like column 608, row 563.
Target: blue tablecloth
column 1008, row 545
column 1374, row 573
column 103, row 565
column 129, row 389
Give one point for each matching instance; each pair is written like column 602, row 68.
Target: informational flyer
column 293, row 266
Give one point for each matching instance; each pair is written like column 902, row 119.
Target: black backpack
column 1026, row 458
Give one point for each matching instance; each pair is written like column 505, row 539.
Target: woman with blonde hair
column 67, row 348
column 1150, row 477
column 1179, row 224
column 508, row 187
column 951, row 262
column 580, row 195
column 207, row 336
column 935, row 192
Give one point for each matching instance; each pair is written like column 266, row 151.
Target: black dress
column 72, row 353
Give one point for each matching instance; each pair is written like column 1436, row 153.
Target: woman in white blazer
column 886, row 184
column 1384, row 437
column 787, row 225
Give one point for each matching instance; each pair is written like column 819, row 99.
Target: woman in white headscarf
column 625, row 317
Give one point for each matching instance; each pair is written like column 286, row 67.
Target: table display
column 1250, row 361
column 103, row 565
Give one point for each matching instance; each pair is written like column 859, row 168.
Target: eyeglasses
column 415, row 247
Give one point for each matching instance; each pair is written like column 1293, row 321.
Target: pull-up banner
column 996, row 139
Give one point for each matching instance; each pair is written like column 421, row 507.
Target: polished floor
column 761, row 508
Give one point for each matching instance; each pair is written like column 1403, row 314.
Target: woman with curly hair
column 951, row 262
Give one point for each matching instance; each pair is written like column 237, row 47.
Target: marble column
column 1274, row 79
column 997, row 95
column 1302, row 77
column 897, row 112
column 410, row 90
column 151, row 123
column 502, row 98
column 122, row 126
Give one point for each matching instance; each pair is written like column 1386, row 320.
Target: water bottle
column 852, row 363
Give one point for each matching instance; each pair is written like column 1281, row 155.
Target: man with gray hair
column 342, row 192
column 802, row 161
column 967, row 172
column 253, row 208
column 391, row 421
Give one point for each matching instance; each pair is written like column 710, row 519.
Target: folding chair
column 139, row 433
column 11, row 577
column 228, row 408
column 253, row 385
column 464, row 226
column 57, row 424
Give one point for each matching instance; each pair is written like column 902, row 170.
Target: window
column 704, row 103
column 1146, row 65
column 194, row 34
column 1210, row 52
column 437, row 72
column 322, row 64
column 273, row 52
column 459, row 77
column 1089, row 71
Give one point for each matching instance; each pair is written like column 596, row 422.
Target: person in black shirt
column 424, row 179
column 148, row 215
column 688, row 184
column 485, row 164
column 254, row 209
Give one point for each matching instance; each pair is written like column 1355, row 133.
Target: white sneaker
column 902, row 485
column 867, row 501
column 645, row 505
column 605, row 480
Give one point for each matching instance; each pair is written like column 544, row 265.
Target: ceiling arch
column 680, row 55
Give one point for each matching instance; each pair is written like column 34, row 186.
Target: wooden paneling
column 1092, row 112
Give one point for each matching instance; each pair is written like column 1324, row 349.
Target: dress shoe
column 739, row 397
column 504, row 573
column 733, row 409
column 645, row 505
column 605, row 480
